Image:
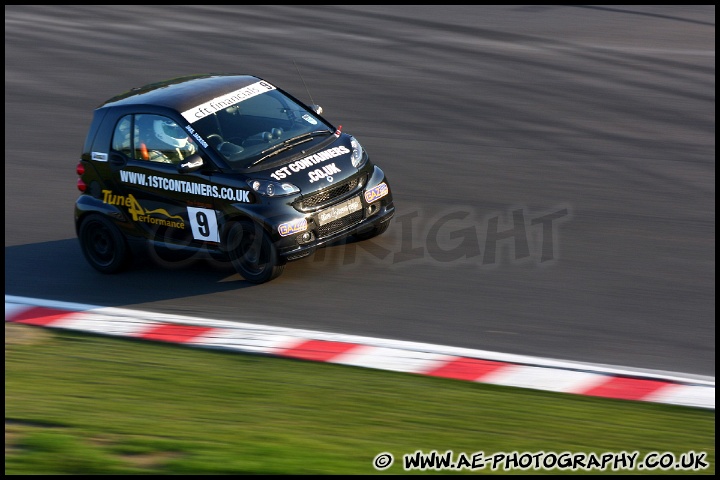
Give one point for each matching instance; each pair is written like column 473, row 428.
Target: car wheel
column 103, row 245
column 373, row 231
column 253, row 253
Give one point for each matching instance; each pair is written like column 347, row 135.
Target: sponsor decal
column 196, row 136
column 338, row 211
column 311, row 161
column 140, row 214
column 309, row 119
column 100, row 157
column 294, row 226
column 196, row 163
column 326, row 173
column 224, row 101
column 376, row 192
column 184, row 186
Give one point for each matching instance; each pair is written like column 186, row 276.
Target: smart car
column 226, row 164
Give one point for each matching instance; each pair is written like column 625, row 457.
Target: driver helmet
column 170, row 133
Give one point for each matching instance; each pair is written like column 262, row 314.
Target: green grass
column 84, row 404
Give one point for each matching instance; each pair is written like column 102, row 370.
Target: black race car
column 230, row 165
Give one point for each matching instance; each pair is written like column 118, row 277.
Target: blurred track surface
column 579, row 141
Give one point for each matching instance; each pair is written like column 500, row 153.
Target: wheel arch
column 241, row 215
column 87, row 205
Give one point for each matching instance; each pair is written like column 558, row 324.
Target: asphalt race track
column 553, row 169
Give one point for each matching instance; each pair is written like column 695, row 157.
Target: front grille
column 313, row 202
column 340, row 224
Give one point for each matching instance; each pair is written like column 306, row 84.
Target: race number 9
column 204, row 224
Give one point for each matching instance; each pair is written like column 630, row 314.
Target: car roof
column 182, row 93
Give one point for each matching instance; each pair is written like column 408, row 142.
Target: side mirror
column 316, row 108
column 190, row 164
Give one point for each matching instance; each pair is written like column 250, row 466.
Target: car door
column 170, row 207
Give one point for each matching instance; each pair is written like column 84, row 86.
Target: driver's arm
column 158, row 156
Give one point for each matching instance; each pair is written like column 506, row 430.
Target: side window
column 121, row 137
column 160, row 139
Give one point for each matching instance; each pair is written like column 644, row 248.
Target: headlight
column 269, row 188
column 357, row 158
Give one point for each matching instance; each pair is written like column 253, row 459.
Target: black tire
column 253, row 253
column 103, row 245
column 370, row 232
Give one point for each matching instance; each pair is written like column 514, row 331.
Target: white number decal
column 204, row 224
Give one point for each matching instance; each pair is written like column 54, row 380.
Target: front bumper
column 384, row 214
column 368, row 204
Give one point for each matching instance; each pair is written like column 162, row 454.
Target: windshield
column 245, row 132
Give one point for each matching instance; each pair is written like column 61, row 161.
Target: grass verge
column 85, row 404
